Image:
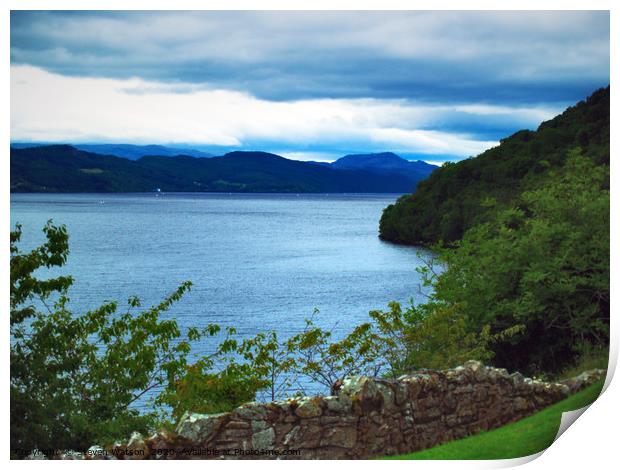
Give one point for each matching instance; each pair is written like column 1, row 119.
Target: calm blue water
column 258, row 262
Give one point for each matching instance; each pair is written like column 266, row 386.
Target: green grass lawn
column 525, row 437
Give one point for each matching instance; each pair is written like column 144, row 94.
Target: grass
column 525, row 437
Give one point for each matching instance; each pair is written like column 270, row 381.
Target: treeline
column 460, row 195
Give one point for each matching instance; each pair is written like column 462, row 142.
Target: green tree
column 542, row 264
column 74, row 378
column 430, row 335
column 200, row 389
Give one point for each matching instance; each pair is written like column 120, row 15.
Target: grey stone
column 517, row 378
column 259, row 425
column 386, row 395
column 200, row 428
column 284, row 405
column 309, row 407
column 478, row 370
column 250, row 411
column 340, row 437
column 360, row 387
column 401, row 394
column 72, row 455
column 414, row 386
column 291, row 436
column 137, row 449
column 98, row 453
column 136, row 440
column 264, row 439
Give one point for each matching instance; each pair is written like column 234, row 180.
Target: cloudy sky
column 435, row 86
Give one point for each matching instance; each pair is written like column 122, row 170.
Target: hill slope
column 129, row 151
column 62, row 168
column 134, row 152
column 459, row 195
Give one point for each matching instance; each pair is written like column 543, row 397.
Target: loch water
column 258, row 262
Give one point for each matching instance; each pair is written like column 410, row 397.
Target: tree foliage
column 542, row 264
column 200, row 389
column 75, row 377
column 428, row 336
column 324, row 360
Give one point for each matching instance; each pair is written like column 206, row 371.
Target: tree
column 542, row 264
column 430, row 335
column 74, row 378
column 325, row 361
column 199, row 389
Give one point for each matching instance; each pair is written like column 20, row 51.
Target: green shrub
column 75, row 377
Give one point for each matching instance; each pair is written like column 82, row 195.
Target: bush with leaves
column 430, row 336
column 325, row 361
column 200, row 389
column 75, row 377
column 392, row 343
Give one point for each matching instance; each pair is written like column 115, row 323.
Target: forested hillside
column 460, row 195
column 522, row 234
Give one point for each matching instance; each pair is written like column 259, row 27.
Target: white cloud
column 309, row 156
column 51, row 107
column 532, row 114
column 435, row 162
column 422, row 141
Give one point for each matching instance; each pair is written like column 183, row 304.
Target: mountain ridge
column 64, row 168
column 128, row 151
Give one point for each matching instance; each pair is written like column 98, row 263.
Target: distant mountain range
column 132, row 152
column 66, row 168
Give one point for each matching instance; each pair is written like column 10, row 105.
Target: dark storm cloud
column 455, row 57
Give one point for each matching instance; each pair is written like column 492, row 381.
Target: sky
column 434, row 86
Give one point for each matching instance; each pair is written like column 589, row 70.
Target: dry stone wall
column 365, row 417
